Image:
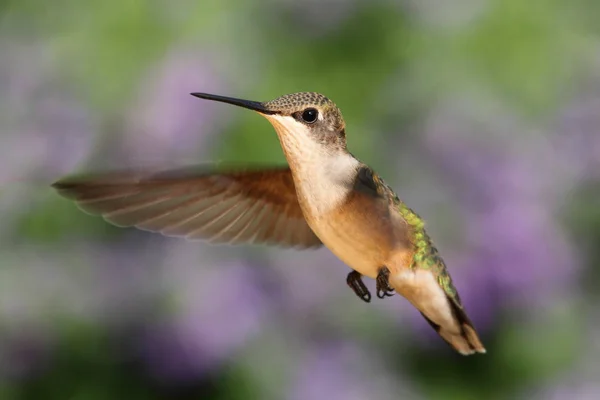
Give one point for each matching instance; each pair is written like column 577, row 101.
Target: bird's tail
column 460, row 335
column 440, row 306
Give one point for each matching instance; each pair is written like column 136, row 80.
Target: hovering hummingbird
column 324, row 197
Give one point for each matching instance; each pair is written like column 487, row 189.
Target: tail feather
column 464, row 340
column 434, row 295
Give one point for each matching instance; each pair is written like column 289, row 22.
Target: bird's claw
column 356, row 283
column 383, row 284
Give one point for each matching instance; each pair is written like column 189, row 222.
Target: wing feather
column 235, row 206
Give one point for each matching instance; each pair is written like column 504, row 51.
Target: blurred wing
column 234, row 207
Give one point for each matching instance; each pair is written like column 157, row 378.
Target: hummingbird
column 324, row 197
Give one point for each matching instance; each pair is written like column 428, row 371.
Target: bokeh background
column 483, row 115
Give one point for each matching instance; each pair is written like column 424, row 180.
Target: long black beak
column 252, row 105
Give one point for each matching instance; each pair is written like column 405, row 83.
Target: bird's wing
column 226, row 206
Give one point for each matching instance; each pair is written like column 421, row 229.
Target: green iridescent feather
column 426, row 255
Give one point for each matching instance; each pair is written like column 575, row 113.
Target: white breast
column 323, row 181
column 322, row 175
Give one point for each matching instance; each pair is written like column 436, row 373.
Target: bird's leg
column 383, row 283
column 356, row 283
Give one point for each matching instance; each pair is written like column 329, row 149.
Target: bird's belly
column 357, row 248
column 361, row 229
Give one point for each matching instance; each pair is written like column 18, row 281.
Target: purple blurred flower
column 344, row 371
column 47, row 130
column 577, row 137
column 438, row 14
column 219, row 309
column 515, row 253
column 509, row 223
column 586, row 390
column 41, row 286
column 218, row 306
column 320, row 17
column 23, row 354
column 168, row 122
column 109, row 283
column 308, row 279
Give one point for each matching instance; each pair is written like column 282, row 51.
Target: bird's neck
column 323, row 174
column 323, row 178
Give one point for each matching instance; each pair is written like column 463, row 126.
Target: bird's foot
column 356, row 283
column 383, row 283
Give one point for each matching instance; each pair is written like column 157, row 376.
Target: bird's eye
column 310, row 115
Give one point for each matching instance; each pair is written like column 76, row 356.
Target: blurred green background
column 483, row 115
